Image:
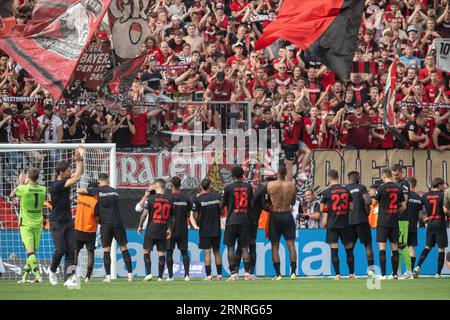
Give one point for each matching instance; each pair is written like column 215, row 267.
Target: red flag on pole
column 326, row 28
column 49, row 50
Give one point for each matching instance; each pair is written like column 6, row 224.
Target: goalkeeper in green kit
column 31, row 219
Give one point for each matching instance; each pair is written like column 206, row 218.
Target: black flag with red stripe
column 117, row 82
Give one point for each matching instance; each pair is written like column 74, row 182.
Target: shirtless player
column 282, row 195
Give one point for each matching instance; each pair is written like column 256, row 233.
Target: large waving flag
column 117, row 82
column 326, row 28
column 50, row 47
column 389, row 95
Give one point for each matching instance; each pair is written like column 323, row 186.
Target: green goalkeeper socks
column 404, row 253
column 32, row 263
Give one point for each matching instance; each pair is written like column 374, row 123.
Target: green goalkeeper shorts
column 403, row 227
column 31, row 237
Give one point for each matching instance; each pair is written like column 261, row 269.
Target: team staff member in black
column 433, row 202
column 358, row 217
column 338, row 205
column 61, row 224
column 206, row 209
column 413, row 212
column 159, row 227
column 391, row 200
column 111, row 225
column 182, row 209
column 238, row 198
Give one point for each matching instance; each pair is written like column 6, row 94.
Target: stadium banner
column 129, row 26
column 314, row 255
column 92, row 65
column 44, row 47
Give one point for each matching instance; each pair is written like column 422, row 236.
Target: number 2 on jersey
column 393, row 197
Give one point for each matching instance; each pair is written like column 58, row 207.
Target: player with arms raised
column 238, row 198
column 338, row 202
column 391, row 200
column 433, row 202
column 31, row 219
column 61, row 225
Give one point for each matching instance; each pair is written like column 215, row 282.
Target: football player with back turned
column 433, row 202
column 358, row 216
column 182, row 211
column 111, row 225
column 338, row 205
column 391, row 200
column 207, row 210
column 283, row 195
column 238, row 198
column 161, row 218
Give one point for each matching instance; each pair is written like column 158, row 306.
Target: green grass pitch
column 286, row 289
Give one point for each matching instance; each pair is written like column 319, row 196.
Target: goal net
column 18, row 158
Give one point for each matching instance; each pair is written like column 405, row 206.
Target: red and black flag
column 326, row 28
column 117, row 82
column 50, row 46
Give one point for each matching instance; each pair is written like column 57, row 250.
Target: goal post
column 18, row 158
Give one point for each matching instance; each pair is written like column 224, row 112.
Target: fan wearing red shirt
column 424, row 73
column 432, row 90
column 221, row 18
column 430, row 125
column 164, row 54
column 281, row 77
column 312, row 129
column 313, row 87
column 28, row 127
column 219, row 89
column 382, row 138
column 140, row 120
column 292, row 125
column 238, row 9
column 417, row 137
column 419, row 93
column 358, row 125
column 330, row 130
column 238, row 56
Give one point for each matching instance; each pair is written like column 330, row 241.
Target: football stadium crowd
column 202, row 51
